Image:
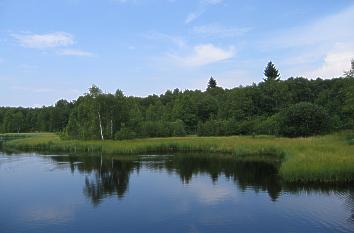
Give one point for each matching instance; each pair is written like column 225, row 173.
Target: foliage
column 243, row 110
column 304, row 119
column 125, row 133
column 350, row 73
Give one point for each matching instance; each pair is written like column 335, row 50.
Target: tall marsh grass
column 327, row 159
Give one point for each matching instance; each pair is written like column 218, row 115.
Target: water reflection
column 107, row 176
column 181, row 193
column 108, row 180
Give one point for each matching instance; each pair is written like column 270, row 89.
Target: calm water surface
column 182, row 193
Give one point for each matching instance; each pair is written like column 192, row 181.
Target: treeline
column 292, row 107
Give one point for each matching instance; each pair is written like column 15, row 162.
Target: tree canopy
column 292, row 107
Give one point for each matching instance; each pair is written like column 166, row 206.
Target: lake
column 172, row 193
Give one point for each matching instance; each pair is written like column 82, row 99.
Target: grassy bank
column 327, row 158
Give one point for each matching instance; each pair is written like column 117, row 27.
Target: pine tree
column 212, row 83
column 271, row 72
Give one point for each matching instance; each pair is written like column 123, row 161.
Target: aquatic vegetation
column 328, row 159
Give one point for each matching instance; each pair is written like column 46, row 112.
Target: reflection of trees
column 109, row 180
column 246, row 174
column 107, row 176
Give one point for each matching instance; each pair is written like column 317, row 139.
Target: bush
column 258, row 125
column 267, row 125
column 152, row 129
column 125, row 133
column 161, row 129
column 303, row 119
column 212, row 128
column 176, row 128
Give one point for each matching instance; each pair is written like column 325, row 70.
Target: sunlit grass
column 327, row 158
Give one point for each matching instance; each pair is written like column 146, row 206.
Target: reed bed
column 325, row 159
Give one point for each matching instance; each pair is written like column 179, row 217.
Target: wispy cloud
column 193, row 15
column 211, row 2
column 158, row 36
column 334, row 28
column 220, row 31
column 43, row 41
column 202, row 7
column 328, row 43
column 131, row 47
column 75, row 52
column 203, row 54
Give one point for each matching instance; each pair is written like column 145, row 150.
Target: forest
column 293, row 107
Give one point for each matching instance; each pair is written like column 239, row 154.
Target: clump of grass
column 350, row 140
column 325, row 159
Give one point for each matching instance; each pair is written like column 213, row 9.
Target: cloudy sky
column 53, row 49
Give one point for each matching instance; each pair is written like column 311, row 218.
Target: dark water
column 183, row 193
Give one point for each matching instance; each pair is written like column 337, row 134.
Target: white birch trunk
column 111, row 129
column 99, row 119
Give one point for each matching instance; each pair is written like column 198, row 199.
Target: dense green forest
column 292, row 107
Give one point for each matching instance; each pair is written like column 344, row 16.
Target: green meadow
column 325, row 159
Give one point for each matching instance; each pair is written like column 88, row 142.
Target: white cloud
column 43, row 41
column 75, row 52
column 193, row 16
column 203, row 54
column 323, row 48
column 335, row 62
column 219, row 30
column 203, row 5
column 331, row 29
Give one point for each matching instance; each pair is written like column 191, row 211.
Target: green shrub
column 267, row 125
column 304, row 119
column 161, row 129
column 176, row 128
column 212, row 128
column 152, row 129
column 125, row 133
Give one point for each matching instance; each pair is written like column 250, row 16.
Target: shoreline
column 320, row 159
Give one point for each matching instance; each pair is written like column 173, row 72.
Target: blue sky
column 53, row 49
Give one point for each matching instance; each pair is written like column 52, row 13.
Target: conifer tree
column 271, row 72
column 212, row 83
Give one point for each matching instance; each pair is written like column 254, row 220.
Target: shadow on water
column 108, row 176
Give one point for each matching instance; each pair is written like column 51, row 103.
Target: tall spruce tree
column 271, row 73
column 212, row 83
